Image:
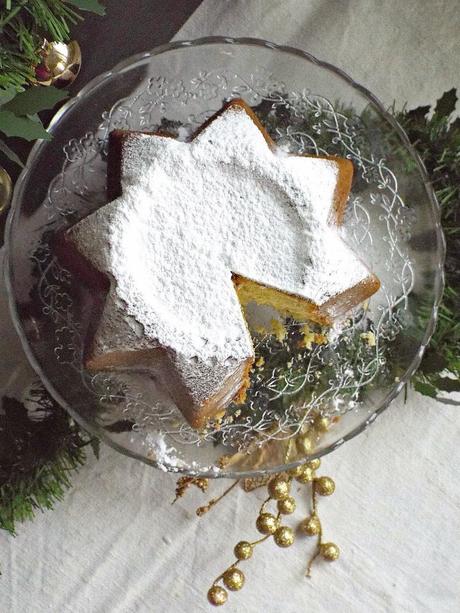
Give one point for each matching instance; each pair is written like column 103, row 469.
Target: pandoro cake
column 193, row 231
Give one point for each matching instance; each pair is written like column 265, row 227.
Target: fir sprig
column 40, row 447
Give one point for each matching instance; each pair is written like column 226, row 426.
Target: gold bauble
column 217, row 595
column 325, row 486
column 311, row 526
column 306, row 475
column 284, row 536
column 295, row 472
column 60, row 65
column 279, row 488
column 267, row 523
column 330, row 551
column 314, row 464
column 6, row 190
column 233, row 579
column 305, row 444
column 287, row 505
column 321, row 424
column 243, row 550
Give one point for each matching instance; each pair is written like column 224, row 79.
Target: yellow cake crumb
column 369, row 337
column 278, row 330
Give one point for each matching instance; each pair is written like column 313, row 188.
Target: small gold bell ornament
column 61, row 63
column 6, row 190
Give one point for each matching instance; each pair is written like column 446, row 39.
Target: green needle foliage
column 40, row 446
column 23, row 26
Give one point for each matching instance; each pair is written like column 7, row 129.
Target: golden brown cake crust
column 295, row 306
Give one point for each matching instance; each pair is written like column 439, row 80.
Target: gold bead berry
column 325, row 486
column 311, row 526
column 306, row 475
column 284, row 536
column 305, row 443
column 233, row 579
column 295, row 472
column 243, row 550
column 321, row 423
column 314, row 464
column 287, row 505
column 267, row 523
column 279, row 487
column 217, row 595
column 330, row 551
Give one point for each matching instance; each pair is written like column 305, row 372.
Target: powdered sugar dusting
column 190, row 215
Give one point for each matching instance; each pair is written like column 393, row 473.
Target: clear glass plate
column 393, row 221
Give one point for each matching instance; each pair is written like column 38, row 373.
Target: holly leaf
column 93, row 6
column 419, row 113
column 95, row 444
column 22, row 127
column 7, row 94
column 446, row 384
column 426, row 389
column 10, row 154
column 445, row 106
column 34, row 100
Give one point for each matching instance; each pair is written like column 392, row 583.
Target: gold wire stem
column 314, row 506
column 261, row 540
column 207, row 507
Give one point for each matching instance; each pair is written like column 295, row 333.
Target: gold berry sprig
column 270, row 524
column 269, row 521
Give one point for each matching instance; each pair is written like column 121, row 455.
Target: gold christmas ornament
column 287, row 505
column 284, row 536
column 60, row 65
column 314, row 464
column 233, row 579
column 321, row 424
column 267, row 523
column 6, row 190
column 325, row 486
column 330, row 551
column 306, row 475
column 279, row 488
column 305, row 444
column 217, row 595
column 311, row 526
column 243, row 550
column 295, row 472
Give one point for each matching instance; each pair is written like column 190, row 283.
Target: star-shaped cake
column 196, row 229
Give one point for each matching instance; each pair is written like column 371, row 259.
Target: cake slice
column 196, row 229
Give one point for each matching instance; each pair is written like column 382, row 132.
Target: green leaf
column 7, row 94
column 22, row 127
column 419, row 113
column 447, row 384
column 95, row 444
column 10, row 154
column 426, row 389
column 89, row 5
column 34, row 100
column 445, row 106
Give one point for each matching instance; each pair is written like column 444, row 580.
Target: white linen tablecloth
column 117, row 545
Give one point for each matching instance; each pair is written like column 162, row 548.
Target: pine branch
column 23, row 26
column 40, row 447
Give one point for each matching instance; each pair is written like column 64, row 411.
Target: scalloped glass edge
column 441, row 247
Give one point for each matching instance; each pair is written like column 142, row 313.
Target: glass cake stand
column 306, row 397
